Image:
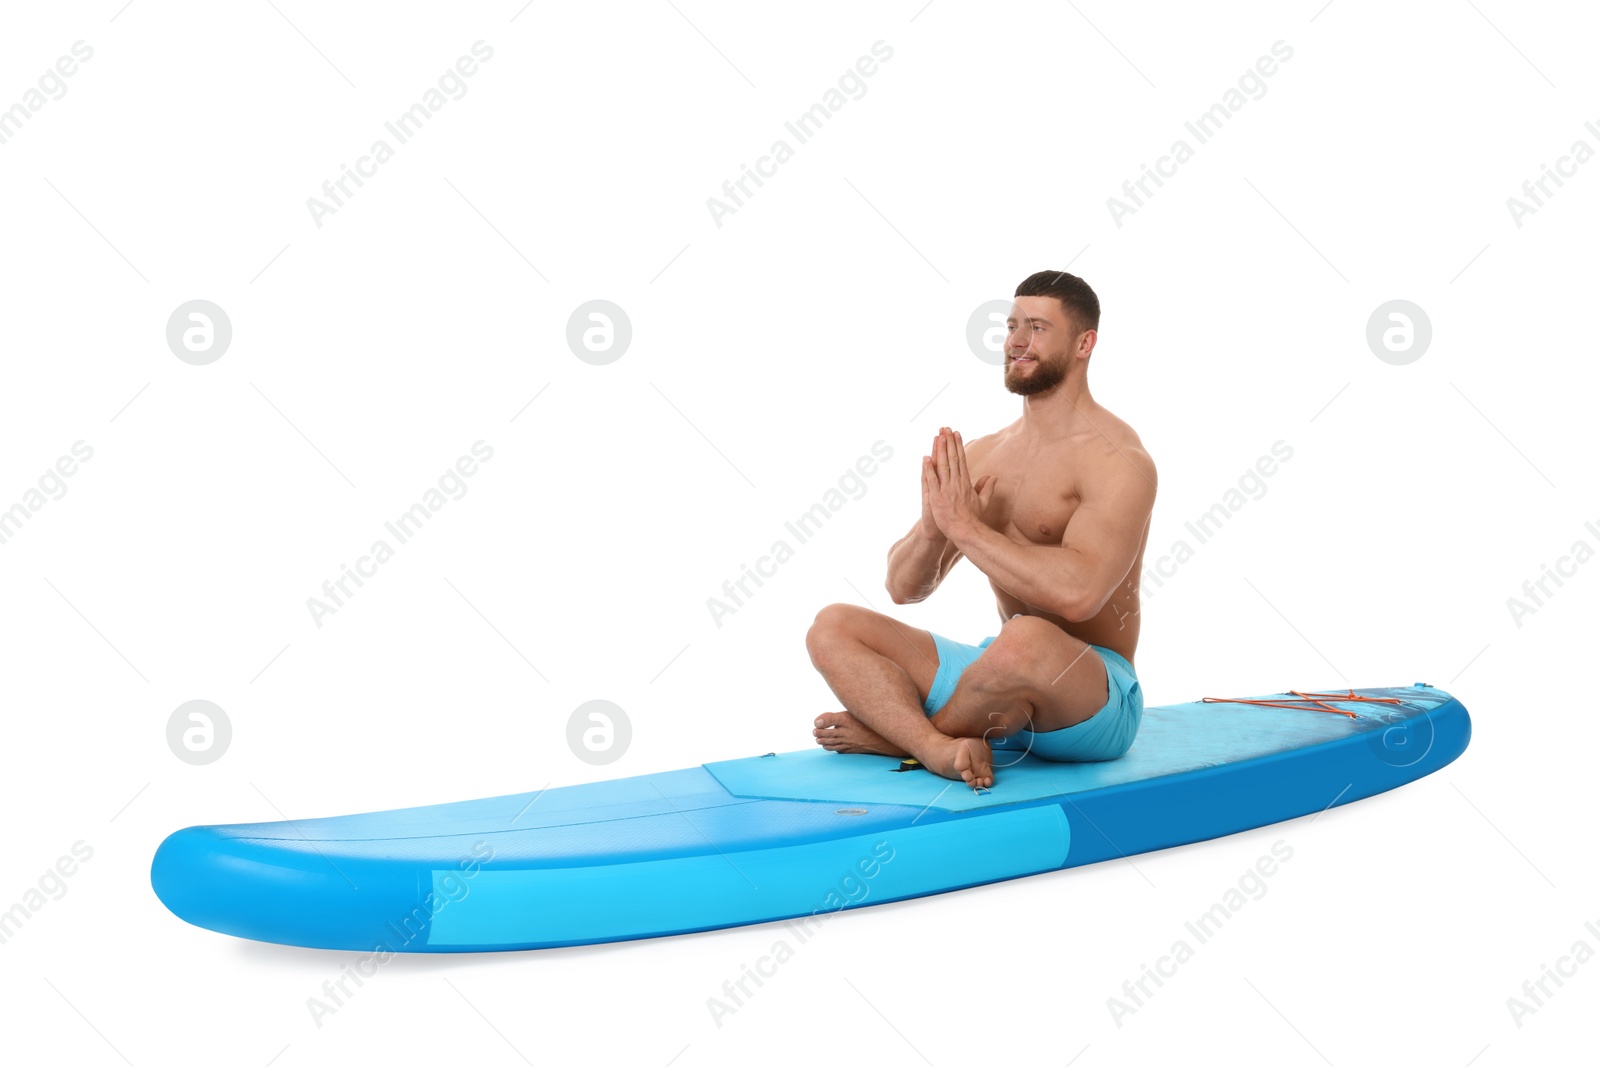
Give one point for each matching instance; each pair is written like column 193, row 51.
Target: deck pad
column 1172, row 739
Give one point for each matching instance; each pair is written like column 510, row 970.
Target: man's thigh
column 1034, row 676
column 908, row 647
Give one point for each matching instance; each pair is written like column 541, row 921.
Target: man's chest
column 1035, row 493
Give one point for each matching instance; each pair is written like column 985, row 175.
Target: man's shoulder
column 1121, row 452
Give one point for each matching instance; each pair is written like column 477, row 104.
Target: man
column 1054, row 509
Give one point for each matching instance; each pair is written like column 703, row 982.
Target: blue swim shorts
column 1105, row 735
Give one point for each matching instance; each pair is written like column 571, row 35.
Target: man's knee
column 834, row 624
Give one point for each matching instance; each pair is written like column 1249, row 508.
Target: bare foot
column 840, row 731
column 965, row 759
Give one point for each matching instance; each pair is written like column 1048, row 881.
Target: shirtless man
column 1054, row 509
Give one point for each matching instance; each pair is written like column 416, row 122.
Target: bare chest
column 1035, row 493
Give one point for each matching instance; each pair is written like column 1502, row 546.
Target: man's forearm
column 1045, row 576
column 914, row 567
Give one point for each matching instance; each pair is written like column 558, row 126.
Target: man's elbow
column 1073, row 613
column 898, row 597
column 1080, row 609
column 899, row 594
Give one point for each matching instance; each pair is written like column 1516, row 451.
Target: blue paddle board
column 789, row 835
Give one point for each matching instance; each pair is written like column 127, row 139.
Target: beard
column 1045, row 376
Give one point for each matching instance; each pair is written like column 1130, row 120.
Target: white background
column 769, row 353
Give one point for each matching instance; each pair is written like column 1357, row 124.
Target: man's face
column 1037, row 340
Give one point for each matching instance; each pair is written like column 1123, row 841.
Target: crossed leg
column 1032, row 676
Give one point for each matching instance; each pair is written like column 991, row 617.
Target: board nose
column 221, row 879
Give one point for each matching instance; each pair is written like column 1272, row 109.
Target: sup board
column 789, row 835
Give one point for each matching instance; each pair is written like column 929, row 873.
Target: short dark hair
column 1081, row 305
